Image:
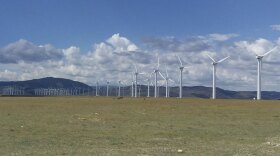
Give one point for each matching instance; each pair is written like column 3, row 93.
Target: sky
column 100, row 40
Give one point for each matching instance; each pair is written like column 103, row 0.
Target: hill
column 28, row 87
column 60, row 86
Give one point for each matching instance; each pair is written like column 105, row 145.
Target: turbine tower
column 181, row 68
column 166, row 78
column 96, row 89
column 132, row 88
column 259, row 58
column 214, row 63
column 156, row 77
column 149, row 83
column 107, row 94
column 136, row 73
column 136, row 78
column 119, row 93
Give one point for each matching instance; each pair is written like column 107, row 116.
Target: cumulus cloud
column 121, row 44
column 260, row 46
column 113, row 59
column 221, row 37
column 24, row 50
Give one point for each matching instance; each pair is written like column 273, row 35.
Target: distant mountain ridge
column 30, row 86
column 47, row 82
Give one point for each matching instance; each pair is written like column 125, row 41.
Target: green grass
column 111, row 126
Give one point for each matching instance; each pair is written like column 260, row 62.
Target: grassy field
column 112, row 126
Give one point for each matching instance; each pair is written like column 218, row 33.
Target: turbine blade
column 172, row 80
column 151, row 74
column 269, row 51
column 211, row 58
column 223, row 59
column 179, row 60
column 161, row 75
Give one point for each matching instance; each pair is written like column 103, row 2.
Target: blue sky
column 84, row 39
column 72, row 22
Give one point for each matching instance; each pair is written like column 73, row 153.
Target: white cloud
column 23, row 50
column 260, row 46
column 275, row 27
column 121, row 44
column 7, row 75
column 112, row 60
column 221, row 37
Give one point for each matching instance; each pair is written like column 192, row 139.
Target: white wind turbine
column 132, row 85
column 119, row 92
column 259, row 58
column 181, row 67
column 132, row 88
column 148, row 84
column 96, row 88
column 136, row 73
column 214, row 63
column 136, row 78
column 166, row 78
column 156, row 70
column 107, row 94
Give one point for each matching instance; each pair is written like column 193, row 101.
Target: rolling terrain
column 188, row 91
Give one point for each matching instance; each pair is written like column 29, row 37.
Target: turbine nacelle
column 181, row 67
column 261, row 56
column 214, row 63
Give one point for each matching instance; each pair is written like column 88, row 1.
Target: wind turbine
column 136, row 73
column 166, row 78
column 132, row 84
column 259, row 58
column 149, row 83
column 136, row 78
column 119, row 93
column 215, row 63
column 156, row 70
column 96, row 89
column 107, row 94
column 181, row 68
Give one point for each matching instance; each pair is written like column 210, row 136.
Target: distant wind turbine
column 166, row 78
column 136, row 79
column 96, row 89
column 181, row 67
column 132, row 88
column 259, row 58
column 119, row 92
column 149, row 83
column 156, row 70
column 107, row 94
column 215, row 63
